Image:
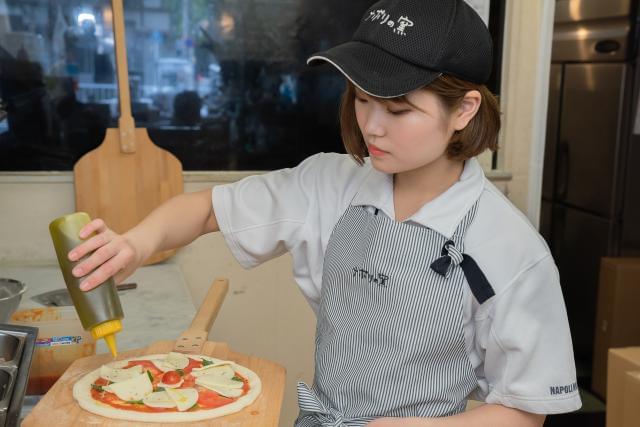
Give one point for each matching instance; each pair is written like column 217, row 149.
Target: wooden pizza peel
column 59, row 408
column 127, row 176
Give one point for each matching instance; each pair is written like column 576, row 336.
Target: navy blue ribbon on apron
column 452, row 257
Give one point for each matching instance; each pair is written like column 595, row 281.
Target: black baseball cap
column 402, row 45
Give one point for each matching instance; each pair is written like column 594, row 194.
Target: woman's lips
column 375, row 151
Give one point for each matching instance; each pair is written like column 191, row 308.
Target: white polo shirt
column 518, row 341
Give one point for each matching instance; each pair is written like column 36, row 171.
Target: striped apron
column 389, row 337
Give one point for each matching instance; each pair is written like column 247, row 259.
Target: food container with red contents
column 61, row 340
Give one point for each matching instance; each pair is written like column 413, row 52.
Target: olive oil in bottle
column 99, row 309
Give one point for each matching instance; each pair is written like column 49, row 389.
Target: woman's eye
column 398, row 112
column 364, row 101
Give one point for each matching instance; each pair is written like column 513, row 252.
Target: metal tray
column 17, row 344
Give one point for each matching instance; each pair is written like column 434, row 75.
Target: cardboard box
column 617, row 316
column 631, row 403
column 621, row 361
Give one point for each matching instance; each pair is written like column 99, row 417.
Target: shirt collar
column 442, row 214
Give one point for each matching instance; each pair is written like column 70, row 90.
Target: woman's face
column 400, row 137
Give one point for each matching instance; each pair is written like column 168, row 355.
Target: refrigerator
column 591, row 181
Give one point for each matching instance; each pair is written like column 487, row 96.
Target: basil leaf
column 180, row 372
column 135, row 402
column 159, row 389
column 206, row 362
column 97, row 387
column 150, row 376
column 237, row 378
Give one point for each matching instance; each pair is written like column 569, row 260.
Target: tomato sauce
column 101, row 381
column 189, row 381
column 192, row 364
column 209, row 399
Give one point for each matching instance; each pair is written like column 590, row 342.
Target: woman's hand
column 175, row 223
column 113, row 255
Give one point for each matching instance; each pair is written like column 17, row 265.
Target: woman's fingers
column 108, row 269
column 89, row 246
column 96, row 226
column 101, row 255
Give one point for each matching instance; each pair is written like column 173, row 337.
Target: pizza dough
column 83, row 395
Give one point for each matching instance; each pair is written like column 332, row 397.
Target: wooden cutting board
column 127, row 176
column 58, row 407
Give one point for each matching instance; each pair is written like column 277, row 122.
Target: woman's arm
column 487, row 415
column 173, row 224
column 176, row 223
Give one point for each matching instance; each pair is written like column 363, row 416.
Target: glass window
column 222, row 84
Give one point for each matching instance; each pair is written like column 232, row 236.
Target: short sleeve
column 262, row 216
column 528, row 352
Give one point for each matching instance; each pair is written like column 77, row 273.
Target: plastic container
column 61, row 340
column 99, row 309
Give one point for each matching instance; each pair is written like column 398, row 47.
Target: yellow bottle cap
column 107, row 330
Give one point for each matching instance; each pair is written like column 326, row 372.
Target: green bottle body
column 98, row 305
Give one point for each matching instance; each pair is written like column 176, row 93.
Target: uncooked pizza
column 172, row 387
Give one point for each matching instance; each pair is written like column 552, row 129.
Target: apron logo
column 378, row 279
column 563, row 389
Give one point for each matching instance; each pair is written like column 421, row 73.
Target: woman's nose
column 374, row 125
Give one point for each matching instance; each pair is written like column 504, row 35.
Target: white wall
column 525, row 87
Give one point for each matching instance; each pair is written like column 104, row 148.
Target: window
column 222, row 84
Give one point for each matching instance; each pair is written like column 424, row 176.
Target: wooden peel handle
column 126, row 124
column 210, row 306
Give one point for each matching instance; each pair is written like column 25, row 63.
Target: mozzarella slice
column 179, row 361
column 184, row 398
column 176, row 385
column 132, row 389
column 159, row 399
column 225, row 371
column 218, row 381
column 163, row 365
column 117, row 375
column 224, row 391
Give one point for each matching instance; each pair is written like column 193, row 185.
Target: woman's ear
column 467, row 110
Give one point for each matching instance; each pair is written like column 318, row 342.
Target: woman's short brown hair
column 479, row 135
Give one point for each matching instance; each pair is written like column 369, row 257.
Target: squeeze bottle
column 99, row 309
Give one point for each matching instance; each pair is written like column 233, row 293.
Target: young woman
column 429, row 286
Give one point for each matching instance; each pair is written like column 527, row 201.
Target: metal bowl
column 10, row 295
